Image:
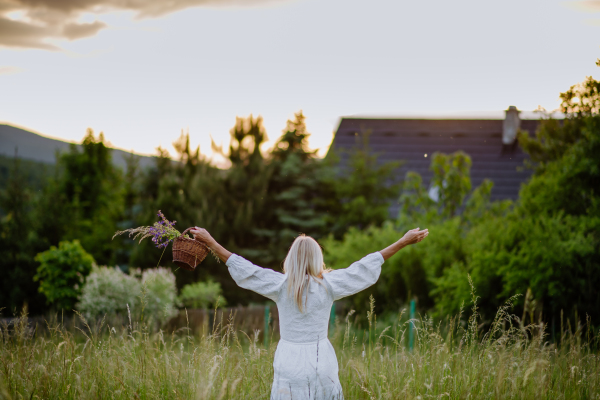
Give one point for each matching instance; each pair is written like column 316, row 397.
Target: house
column 491, row 144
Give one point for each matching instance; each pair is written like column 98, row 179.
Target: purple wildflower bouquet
column 162, row 232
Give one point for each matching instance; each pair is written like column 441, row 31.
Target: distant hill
column 32, row 146
column 33, row 174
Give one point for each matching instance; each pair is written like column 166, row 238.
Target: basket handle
column 186, row 231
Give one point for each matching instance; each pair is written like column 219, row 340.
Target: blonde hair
column 304, row 260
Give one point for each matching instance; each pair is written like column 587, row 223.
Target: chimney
column 510, row 126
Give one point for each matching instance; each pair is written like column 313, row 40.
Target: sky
column 141, row 71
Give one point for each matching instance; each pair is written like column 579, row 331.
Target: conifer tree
column 293, row 192
column 17, row 251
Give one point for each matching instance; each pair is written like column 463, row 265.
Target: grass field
column 452, row 359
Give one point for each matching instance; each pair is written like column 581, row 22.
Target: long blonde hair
column 304, row 260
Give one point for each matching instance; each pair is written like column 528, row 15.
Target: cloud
column 8, row 70
column 590, row 6
column 37, row 23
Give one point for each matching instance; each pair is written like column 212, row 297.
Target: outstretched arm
column 263, row 281
column 411, row 237
column 202, row 235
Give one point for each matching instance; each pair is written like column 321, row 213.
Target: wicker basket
column 188, row 253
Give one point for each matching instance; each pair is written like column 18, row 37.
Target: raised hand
column 411, row 237
column 415, row 236
column 202, row 235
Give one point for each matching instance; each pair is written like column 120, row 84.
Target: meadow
column 457, row 358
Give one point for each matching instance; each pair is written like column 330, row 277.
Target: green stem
column 161, row 255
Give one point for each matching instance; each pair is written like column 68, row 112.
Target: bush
column 159, row 294
column 108, row 291
column 202, row 295
column 61, row 272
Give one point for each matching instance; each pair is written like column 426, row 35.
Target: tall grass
column 452, row 359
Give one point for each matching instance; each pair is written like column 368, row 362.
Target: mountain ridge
column 35, row 147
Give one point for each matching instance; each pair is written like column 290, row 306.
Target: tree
column 548, row 243
column 246, row 188
column 451, row 179
column 84, row 200
column 363, row 192
column 293, row 191
column 18, row 245
column 417, row 272
column 189, row 191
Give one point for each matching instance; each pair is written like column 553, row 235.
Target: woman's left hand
column 202, row 235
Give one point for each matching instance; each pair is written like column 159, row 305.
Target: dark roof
column 410, row 139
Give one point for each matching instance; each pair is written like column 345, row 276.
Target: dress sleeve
column 358, row 276
column 263, row 281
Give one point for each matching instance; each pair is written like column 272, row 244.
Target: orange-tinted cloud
column 31, row 23
column 9, row 70
column 585, row 5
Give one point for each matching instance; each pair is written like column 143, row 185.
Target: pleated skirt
column 306, row 371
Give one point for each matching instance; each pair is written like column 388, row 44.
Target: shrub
column 108, row 291
column 159, row 293
column 202, row 295
column 61, row 272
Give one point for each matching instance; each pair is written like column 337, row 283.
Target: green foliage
column 548, row 243
column 450, row 184
column 83, row 201
column 19, row 243
column 108, row 291
column 401, row 278
column 202, row 295
column 151, row 295
column 545, row 244
column 159, row 294
column 33, row 174
column 363, row 194
column 451, row 179
column 570, row 183
column 263, row 201
column 192, row 192
column 62, row 271
column 255, row 207
column 415, row 200
column 293, row 198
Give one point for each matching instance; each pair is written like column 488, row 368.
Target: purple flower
column 163, row 231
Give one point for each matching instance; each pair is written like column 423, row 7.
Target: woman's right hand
column 202, row 235
column 414, row 236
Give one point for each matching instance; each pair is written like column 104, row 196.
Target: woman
column 305, row 363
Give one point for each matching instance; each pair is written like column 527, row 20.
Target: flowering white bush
column 160, row 293
column 110, row 291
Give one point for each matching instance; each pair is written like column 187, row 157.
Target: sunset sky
column 143, row 70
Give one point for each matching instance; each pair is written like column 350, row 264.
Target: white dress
column 305, row 363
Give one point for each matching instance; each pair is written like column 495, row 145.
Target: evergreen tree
column 84, row 200
column 293, row 191
column 18, row 249
column 246, row 189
